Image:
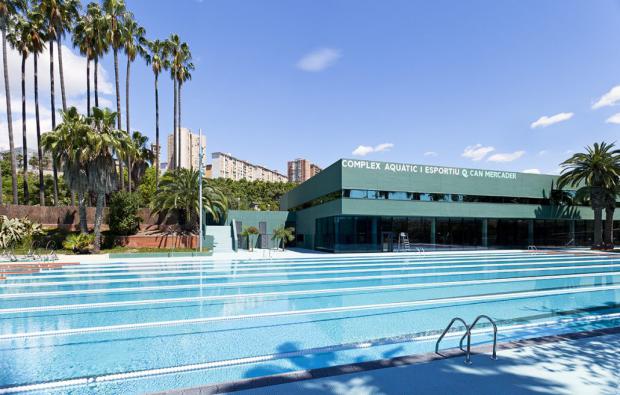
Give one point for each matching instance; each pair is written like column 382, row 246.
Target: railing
column 467, row 335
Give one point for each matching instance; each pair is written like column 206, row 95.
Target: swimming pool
column 135, row 327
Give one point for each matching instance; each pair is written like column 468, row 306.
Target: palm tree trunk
column 156, row 132
column 98, row 221
column 174, row 132
column 96, row 87
column 38, row 122
column 53, row 108
column 24, row 139
column 609, row 225
column 598, row 223
column 118, row 113
column 127, row 123
column 62, row 74
column 179, row 123
column 9, row 120
column 88, row 87
column 82, row 212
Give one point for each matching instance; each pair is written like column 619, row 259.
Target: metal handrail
column 532, row 247
column 467, row 358
column 468, row 334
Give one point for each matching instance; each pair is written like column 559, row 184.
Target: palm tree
column 66, row 145
column 91, row 31
column 184, row 67
column 174, row 45
column 143, row 157
column 115, row 11
column 178, row 190
column 68, row 14
column 283, row 235
column 597, row 170
column 37, row 38
column 8, row 10
column 133, row 40
column 20, row 40
column 157, row 57
column 104, row 142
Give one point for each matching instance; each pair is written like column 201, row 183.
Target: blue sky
column 440, row 82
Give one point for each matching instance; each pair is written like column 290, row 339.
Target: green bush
column 79, row 243
column 124, row 219
column 14, row 231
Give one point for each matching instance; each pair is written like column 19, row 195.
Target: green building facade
column 362, row 205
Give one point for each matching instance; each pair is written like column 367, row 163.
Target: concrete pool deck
column 581, row 363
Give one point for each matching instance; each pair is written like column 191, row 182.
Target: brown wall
column 67, row 216
column 167, row 242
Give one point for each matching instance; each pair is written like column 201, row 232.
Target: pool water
column 141, row 327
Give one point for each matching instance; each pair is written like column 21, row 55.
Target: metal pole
column 200, row 155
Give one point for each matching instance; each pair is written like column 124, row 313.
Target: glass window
column 399, row 196
column 373, row 194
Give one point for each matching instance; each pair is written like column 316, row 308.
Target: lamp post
column 200, row 166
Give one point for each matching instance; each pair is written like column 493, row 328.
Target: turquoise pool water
column 152, row 326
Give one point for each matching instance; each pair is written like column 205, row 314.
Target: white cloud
column 543, row 152
column 545, row 120
column 431, row 153
column 319, row 59
column 614, row 119
column 531, row 171
column 476, row 152
column 610, row 98
column 506, row 157
column 568, row 151
column 363, row 150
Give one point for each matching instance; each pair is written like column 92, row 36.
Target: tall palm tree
column 82, row 40
column 68, row 14
column 66, row 145
column 174, row 45
column 8, row 10
column 105, row 142
column 20, row 40
column 157, row 57
column 37, row 38
column 89, row 36
column 133, row 42
column 597, row 170
column 178, row 190
column 115, row 12
column 183, row 74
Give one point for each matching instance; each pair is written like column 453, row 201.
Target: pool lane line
column 317, row 311
column 308, row 261
column 234, row 271
column 423, row 337
column 284, row 274
column 301, row 262
column 21, row 295
column 275, row 294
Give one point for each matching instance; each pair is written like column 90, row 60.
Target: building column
column 530, row 232
column 485, row 232
column 433, row 231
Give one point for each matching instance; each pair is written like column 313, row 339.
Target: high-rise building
column 227, row 166
column 189, row 148
column 300, row 170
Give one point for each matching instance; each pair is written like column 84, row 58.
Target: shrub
column 124, row 219
column 14, row 231
column 79, row 243
column 250, row 232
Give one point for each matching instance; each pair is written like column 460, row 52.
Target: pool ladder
column 467, row 335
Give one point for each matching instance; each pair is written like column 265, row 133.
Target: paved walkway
column 584, row 366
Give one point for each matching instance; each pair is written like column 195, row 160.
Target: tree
column 141, row 159
column 104, row 143
column 20, row 40
column 157, row 57
column 597, row 170
column 115, row 12
column 37, row 38
column 8, row 10
column 184, row 68
column 90, row 37
column 52, row 13
column 133, row 40
column 66, row 143
column 283, row 235
column 82, row 40
column 250, row 232
column 178, row 190
column 180, row 67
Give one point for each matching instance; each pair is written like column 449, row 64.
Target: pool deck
column 579, row 363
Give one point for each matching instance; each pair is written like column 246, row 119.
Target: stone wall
column 66, row 217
